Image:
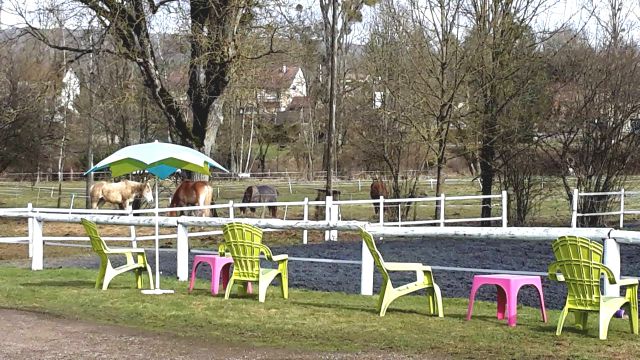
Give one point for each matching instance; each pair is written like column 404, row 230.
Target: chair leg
column 224, row 271
column 472, row 296
column 101, row 273
column 581, row 319
column 563, row 316
column 632, row 296
column 215, row 279
column 138, row 276
column 603, row 322
column 502, row 303
column 284, row 284
column 229, row 287
column 542, row 308
column 263, row 286
column 151, row 284
column 194, row 267
column 512, row 307
column 108, row 276
column 438, row 295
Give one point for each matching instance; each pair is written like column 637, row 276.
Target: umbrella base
column 157, row 292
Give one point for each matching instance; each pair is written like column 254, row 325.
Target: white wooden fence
column 620, row 195
column 38, row 216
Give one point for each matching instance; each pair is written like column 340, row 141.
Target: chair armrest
column 627, row 282
column 398, row 266
column 280, row 257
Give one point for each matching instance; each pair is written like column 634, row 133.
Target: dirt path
column 28, row 335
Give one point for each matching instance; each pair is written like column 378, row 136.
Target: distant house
column 280, row 88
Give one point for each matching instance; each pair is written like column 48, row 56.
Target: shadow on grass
column 84, row 284
column 371, row 310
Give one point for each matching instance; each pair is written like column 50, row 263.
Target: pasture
column 552, row 209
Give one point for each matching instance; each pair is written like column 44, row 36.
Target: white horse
column 120, row 193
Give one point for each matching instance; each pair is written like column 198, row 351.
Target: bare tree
column 596, row 102
column 214, row 31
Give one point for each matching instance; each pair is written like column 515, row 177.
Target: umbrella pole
column 157, row 290
column 157, row 241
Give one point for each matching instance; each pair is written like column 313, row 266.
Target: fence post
column 30, row 228
column 132, row 230
column 442, row 209
column 366, row 271
column 37, row 261
column 381, row 212
column 182, row 260
column 328, row 201
column 305, row 217
column 399, row 214
column 359, row 185
column 574, row 209
column 290, row 189
column 231, row 216
column 504, row 208
column 73, row 197
column 611, row 259
column 621, row 208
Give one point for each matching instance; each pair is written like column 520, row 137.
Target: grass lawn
column 317, row 321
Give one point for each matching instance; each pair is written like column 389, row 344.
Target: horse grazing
column 121, row 193
column 260, row 193
column 378, row 189
column 193, row 193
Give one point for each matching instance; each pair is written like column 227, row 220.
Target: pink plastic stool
column 507, row 287
column 219, row 265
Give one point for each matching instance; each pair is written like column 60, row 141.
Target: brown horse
column 193, row 193
column 378, row 189
column 121, row 193
column 258, row 194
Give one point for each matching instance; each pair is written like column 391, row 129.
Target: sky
column 557, row 13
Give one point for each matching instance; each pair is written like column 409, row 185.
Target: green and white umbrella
column 161, row 160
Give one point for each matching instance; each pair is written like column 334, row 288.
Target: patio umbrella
column 161, row 160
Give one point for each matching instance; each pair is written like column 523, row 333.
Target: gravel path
column 29, row 335
column 485, row 254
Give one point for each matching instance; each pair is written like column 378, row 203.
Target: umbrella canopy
column 160, row 159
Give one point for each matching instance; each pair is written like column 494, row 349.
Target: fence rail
column 332, row 223
column 623, row 210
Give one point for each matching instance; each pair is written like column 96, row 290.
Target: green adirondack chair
column 244, row 243
column 579, row 262
column 388, row 293
column 107, row 272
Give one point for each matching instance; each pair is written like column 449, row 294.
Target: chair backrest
column 580, row 262
column 371, row 245
column 97, row 244
column 244, row 243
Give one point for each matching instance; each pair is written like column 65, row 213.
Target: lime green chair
column 244, row 243
column 388, row 293
column 579, row 263
column 107, row 272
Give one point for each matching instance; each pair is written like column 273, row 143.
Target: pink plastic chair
column 507, row 287
column 220, row 265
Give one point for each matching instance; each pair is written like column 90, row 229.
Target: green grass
column 317, row 321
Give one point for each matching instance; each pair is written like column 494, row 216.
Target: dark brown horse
column 193, row 193
column 258, row 194
column 378, row 189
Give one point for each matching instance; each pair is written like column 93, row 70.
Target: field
column 553, row 209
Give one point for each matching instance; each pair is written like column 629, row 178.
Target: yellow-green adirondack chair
column 424, row 280
column 244, row 243
column 107, row 272
column 579, row 261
